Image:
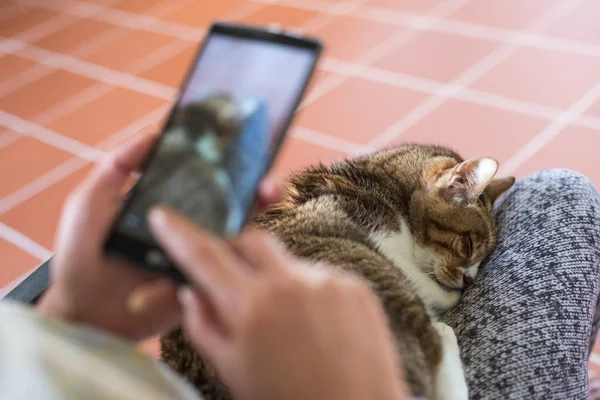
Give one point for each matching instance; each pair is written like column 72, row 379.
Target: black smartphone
column 221, row 137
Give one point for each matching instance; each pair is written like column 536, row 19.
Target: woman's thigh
column 525, row 325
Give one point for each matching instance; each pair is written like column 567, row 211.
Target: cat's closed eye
column 468, row 245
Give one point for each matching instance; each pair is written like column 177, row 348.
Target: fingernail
column 185, row 295
column 268, row 186
column 135, row 302
column 158, row 217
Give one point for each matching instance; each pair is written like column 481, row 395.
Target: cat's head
column 218, row 115
column 452, row 216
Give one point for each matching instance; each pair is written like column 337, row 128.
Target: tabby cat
column 416, row 222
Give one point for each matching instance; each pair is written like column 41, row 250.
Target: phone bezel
column 134, row 251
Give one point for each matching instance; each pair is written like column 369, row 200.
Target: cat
column 415, row 221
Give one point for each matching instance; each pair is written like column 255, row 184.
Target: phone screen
column 220, row 138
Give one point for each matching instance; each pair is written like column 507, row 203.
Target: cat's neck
column 414, row 263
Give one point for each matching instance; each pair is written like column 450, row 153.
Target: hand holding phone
column 91, row 289
column 220, row 139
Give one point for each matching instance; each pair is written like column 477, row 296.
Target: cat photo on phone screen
column 196, row 166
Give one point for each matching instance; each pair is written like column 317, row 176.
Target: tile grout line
column 551, row 131
column 40, row 184
column 15, row 13
column 97, row 43
column 379, row 51
column 95, row 92
column 71, row 145
column 336, row 10
column 56, row 175
column 322, row 20
column 123, row 19
column 79, row 100
column 172, row 91
column 327, row 141
column 31, row 35
column 456, row 27
column 98, row 90
column 141, row 22
column 29, row 245
column 23, row 242
column 39, row 71
column 73, row 165
column 432, row 87
column 470, row 75
column 94, row 71
column 442, row 91
column 371, row 13
column 7, row 138
column 13, row 46
column 327, row 86
column 47, row 136
column 315, row 138
column 327, row 138
column 478, row 31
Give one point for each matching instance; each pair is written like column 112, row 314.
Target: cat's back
column 329, row 216
column 315, row 213
column 358, row 195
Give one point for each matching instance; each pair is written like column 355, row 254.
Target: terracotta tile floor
column 515, row 79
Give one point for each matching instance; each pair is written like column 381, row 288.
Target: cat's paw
column 450, row 381
column 449, row 339
column 449, row 299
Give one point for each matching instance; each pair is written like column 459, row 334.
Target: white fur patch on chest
column 412, row 260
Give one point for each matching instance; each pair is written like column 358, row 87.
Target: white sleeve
column 42, row 358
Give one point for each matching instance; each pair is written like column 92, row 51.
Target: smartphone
column 221, row 137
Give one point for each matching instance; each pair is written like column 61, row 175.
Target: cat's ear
column 467, row 180
column 498, row 186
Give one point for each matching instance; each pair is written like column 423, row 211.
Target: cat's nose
column 467, row 280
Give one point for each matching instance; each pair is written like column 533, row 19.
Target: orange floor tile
column 486, row 77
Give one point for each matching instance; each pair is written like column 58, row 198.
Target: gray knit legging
column 528, row 323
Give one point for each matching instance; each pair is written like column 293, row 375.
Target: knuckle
column 200, row 247
column 347, row 281
column 285, row 285
column 259, row 309
column 332, row 283
column 357, row 287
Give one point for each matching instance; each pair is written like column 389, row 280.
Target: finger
column 262, row 251
column 157, row 305
column 272, row 191
column 208, row 262
column 110, row 176
column 97, row 200
column 202, row 327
